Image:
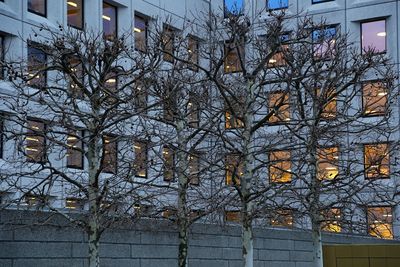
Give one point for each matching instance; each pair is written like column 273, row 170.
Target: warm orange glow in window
column 278, row 103
column 328, row 104
column 376, row 160
column 283, row 218
column 374, row 99
column 168, row 155
column 380, row 222
column 278, row 59
column 332, row 220
column 232, row 216
column 328, row 160
column 280, row 167
column 234, row 169
column 233, row 55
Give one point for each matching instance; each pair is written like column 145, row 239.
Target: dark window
column 168, row 39
column 36, row 65
column 375, row 99
column 140, row 32
column 233, row 7
column 373, row 36
column 380, row 222
column 376, row 160
column 35, row 141
column 280, row 166
column 140, row 93
column 75, row 13
column 169, row 163
column 277, row 4
column 194, row 168
column 324, row 41
column 109, row 160
column 233, row 169
column 37, row 6
column 109, row 21
column 278, row 105
column 75, row 150
column 233, row 57
column 193, row 111
column 169, row 106
column 193, row 53
column 140, row 161
column 75, row 77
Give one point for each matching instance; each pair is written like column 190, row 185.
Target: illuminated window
column 37, row 6
column 169, row 107
column 233, row 55
column 278, row 59
column 35, row 141
column 75, row 77
column 375, row 99
column 193, row 111
column 140, row 161
column 193, row 53
column 168, row 43
column 233, row 169
column 74, row 203
column 36, row 65
column 373, row 36
column 75, row 150
column 331, row 221
column 233, row 115
column 380, row 222
column 232, row 216
column 140, row 33
column 169, row 164
column 282, row 218
column 277, row 4
column 280, row 166
column 111, row 88
column 140, row 97
column 233, row 7
column 328, row 102
column 109, row 21
column 376, row 160
column 169, row 213
column 32, row 200
column 109, row 160
column 324, row 42
column 278, row 104
column 194, row 168
column 75, row 13
column 328, row 163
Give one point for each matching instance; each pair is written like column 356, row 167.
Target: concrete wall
column 154, row 243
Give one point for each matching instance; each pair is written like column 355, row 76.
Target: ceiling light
column 72, row 4
column 137, row 30
column 106, row 18
column 381, row 34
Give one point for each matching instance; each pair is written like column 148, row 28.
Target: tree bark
column 247, row 239
column 317, row 246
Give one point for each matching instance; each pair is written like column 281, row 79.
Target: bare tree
column 72, row 118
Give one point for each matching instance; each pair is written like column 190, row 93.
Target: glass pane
column 328, row 161
column 373, row 36
column 280, row 167
column 234, row 169
column 140, row 162
column 168, row 155
column 75, row 77
column 233, row 55
column 278, row 104
column 193, row 52
column 380, row 222
column 140, row 32
column 324, row 42
column 36, row 64
column 74, row 151
column 109, row 21
column 376, row 161
column 109, row 163
column 232, row 216
column 332, row 218
column 35, row 141
column 278, row 4
column 168, row 44
column 194, row 168
column 283, row 218
column 374, row 99
column 233, row 7
column 75, row 13
column 37, row 6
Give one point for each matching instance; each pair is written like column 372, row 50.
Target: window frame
column 361, row 34
column 313, row 2
column 166, row 167
column 233, row 213
column 328, row 222
column 321, row 150
column 146, row 146
column 239, row 49
column 286, row 120
column 38, row 13
column 83, row 17
column 105, row 168
column 228, row 13
column 115, row 36
column 324, row 56
column 235, row 177
column 170, row 33
column 271, row 163
column 363, row 103
column 276, row 8
column 82, row 156
column 146, row 28
column 380, row 177
column 35, row 46
column 368, row 222
column 193, row 64
column 43, row 156
column 194, row 155
column 2, row 56
column 281, row 213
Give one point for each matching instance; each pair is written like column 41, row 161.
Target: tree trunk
column 93, row 235
column 183, row 247
column 247, row 239
column 317, row 246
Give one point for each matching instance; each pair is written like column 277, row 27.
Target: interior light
column 381, row 34
column 137, row 30
column 106, row 18
column 72, row 4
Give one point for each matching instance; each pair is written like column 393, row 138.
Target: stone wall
column 154, row 244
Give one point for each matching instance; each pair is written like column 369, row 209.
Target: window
column 169, row 107
column 380, row 222
column 193, row 111
column 373, row 36
column 140, row 161
column 233, row 169
column 74, row 203
column 280, row 166
column 324, row 42
column 278, row 105
column 75, row 150
column 193, row 53
column 2, row 135
column 37, row 6
column 328, row 163
column 1, row 57
column 75, row 13
column 111, row 88
column 35, row 141
column 232, row 216
column 331, row 220
column 375, row 99
column 109, row 160
column 170, row 213
column 36, row 200
column 282, row 218
column 233, row 7
column 194, row 168
column 36, row 65
column 75, row 77
column 168, row 43
column 277, row 4
column 109, row 21
column 376, row 160
column 140, row 97
column 140, row 33
column 278, row 59
column 328, row 103
column 321, row 1
column 233, row 57
column 233, row 115
column 169, row 163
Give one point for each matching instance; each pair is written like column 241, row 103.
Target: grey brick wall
column 154, row 243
